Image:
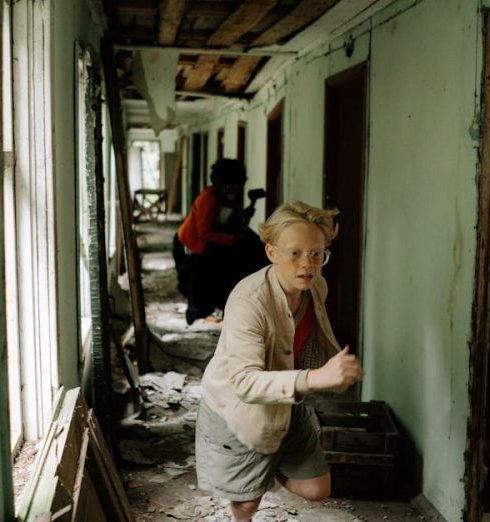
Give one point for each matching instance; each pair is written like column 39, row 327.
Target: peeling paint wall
column 420, row 231
column 424, row 70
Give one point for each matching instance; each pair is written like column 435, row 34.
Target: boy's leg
column 303, row 469
column 315, row 489
column 244, row 511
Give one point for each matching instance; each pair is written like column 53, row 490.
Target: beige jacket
column 250, row 381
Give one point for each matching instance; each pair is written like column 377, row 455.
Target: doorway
column 274, row 159
column 343, row 187
column 196, row 175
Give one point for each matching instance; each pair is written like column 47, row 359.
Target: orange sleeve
column 206, row 218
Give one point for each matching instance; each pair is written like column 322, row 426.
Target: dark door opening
column 274, row 159
column 220, row 145
column 345, row 102
column 242, row 134
column 196, row 166
column 204, row 161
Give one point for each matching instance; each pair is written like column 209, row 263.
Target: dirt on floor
column 156, row 441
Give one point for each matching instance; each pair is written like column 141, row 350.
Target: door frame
column 478, row 427
column 274, row 183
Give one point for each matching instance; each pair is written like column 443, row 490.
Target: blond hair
column 299, row 212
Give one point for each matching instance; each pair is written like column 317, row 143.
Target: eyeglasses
column 316, row 257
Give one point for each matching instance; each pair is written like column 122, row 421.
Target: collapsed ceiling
column 217, row 47
column 177, row 59
column 218, row 41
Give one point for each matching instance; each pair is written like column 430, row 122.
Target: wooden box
column 360, row 441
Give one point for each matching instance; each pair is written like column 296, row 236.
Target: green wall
column 420, row 238
column 424, row 73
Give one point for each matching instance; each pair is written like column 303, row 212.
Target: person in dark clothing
column 214, row 248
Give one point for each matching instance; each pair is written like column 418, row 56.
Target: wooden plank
column 363, row 459
column 240, row 73
column 240, row 22
column 6, row 489
column 102, row 470
column 137, row 7
column 171, row 14
column 44, row 484
column 201, row 72
column 82, row 457
column 72, row 456
column 303, row 14
column 119, row 141
column 477, row 447
column 298, row 18
column 176, row 176
column 243, row 19
column 89, row 507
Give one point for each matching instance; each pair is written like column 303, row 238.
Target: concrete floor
column 158, row 470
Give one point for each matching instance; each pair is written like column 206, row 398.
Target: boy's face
column 294, row 257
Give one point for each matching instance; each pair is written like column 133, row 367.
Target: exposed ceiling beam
column 300, row 16
column 199, row 50
column 240, row 73
column 304, row 13
column 243, row 19
column 240, row 22
column 137, row 8
column 171, row 13
column 201, row 72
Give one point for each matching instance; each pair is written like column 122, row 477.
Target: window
column 30, row 251
column 10, row 239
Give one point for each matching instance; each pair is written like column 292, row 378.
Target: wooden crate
column 360, row 441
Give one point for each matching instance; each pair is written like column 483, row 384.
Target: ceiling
column 180, row 59
column 220, row 43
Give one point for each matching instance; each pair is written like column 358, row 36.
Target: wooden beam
column 240, row 22
column 304, row 13
column 137, row 8
column 201, row 72
column 176, row 176
column 477, row 444
column 6, row 489
column 119, row 142
column 240, row 73
column 243, row 19
column 301, row 15
column 171, row 14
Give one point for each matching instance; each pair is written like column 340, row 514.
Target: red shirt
column 198, row 227
column 302, row 331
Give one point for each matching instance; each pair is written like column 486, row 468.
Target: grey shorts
column 232, row 471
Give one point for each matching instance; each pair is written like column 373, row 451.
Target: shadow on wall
column 410, row 466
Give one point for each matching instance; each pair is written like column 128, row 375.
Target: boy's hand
column 340, row 372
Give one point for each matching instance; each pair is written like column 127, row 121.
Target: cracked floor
column 157, row 446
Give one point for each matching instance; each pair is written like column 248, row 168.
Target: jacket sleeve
column 245, row 349
column 206, row 218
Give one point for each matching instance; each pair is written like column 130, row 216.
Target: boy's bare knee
column 317, row 492
column 316, row 489
column 244, row 511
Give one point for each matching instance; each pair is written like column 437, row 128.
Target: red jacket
column 198, row 227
